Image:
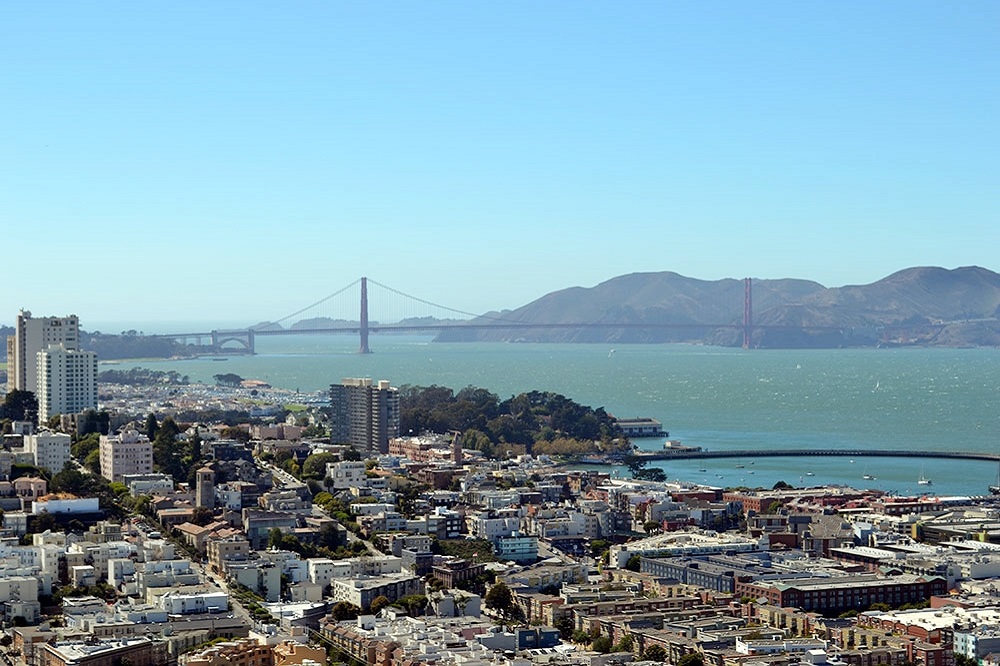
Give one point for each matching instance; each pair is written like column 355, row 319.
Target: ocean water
column 901, row 399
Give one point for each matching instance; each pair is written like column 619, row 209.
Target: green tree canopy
column 500, row 599
column 314, row 467
column 378, row 603
column 691, row 659
column 152, row 425
column 20, row 405
column 345, row 610
column 655, row 653
column 601, row 644
column 229, row 379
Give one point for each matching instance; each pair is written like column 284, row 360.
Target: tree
column 633, row 563
column 601, row 644
column 152, row 425
column 655, row 653
column 500, row 599
column 598, row 547
column 228, row 379
column 83, row 446
column 202, row 516
column 691, row 659
column 314, row 467
column 350, row 453
column 651, row 474
column 652, row 526
column 20, row 405
column 414, row 604
column 345, row 610
column 93, row 461
column 565, row 627
column 626, row 644
column 378, row 603
column 167, row 456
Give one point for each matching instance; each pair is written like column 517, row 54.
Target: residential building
column 517, row 547
column 136, row 651
column 346, row 474
column 364, row 414
column 843, row 593
column 66, row 381
column 126, row 453
column 362, row 590
column 32, row 335
column 48, row 449
column 244, row 652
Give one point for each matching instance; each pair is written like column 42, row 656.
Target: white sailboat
column 923, row 480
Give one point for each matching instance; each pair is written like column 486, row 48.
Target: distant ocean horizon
column 713, row 397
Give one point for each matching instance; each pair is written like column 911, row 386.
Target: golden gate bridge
column 328, row 316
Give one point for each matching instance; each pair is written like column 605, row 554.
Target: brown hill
column 932, row 306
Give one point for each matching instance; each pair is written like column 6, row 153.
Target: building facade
column 364, row 414
column 32, row 335
column 49, row 449
column 126, row 453
column 66, row 381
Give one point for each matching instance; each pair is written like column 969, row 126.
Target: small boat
column 869, row 477
column 810, row 474
column 923, row 480
column 702, row 469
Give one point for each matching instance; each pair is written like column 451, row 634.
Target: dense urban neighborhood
column 164, row 522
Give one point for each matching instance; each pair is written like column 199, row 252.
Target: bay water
column 715, row 398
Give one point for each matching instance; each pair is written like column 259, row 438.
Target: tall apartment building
column 32, row 335
column 67, row 381
column 364, row 414
column 48, row 449
column 126, row 453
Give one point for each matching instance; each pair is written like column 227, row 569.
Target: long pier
column 816, row 453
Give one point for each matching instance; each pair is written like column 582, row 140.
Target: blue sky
column 232, row 161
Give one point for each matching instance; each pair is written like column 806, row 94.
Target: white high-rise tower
column 32, row 335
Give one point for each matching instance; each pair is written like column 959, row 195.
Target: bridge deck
column 844, row 453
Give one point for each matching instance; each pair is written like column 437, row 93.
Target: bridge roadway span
column 843, row 453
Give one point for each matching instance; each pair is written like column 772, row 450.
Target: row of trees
column 495, row 425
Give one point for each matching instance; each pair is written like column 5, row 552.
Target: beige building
column 126, row 453
column 244, row 652
column 32, row 335
column 67, row 381
column 48, row 449
column 290, row 653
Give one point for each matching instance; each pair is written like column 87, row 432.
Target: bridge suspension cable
column 319, row 302
column 442, row 307
column 421, row 300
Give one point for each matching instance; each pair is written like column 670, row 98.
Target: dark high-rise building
column 364, row 414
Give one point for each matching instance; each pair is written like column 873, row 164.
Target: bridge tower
column 363, row 328
column 747, row 312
